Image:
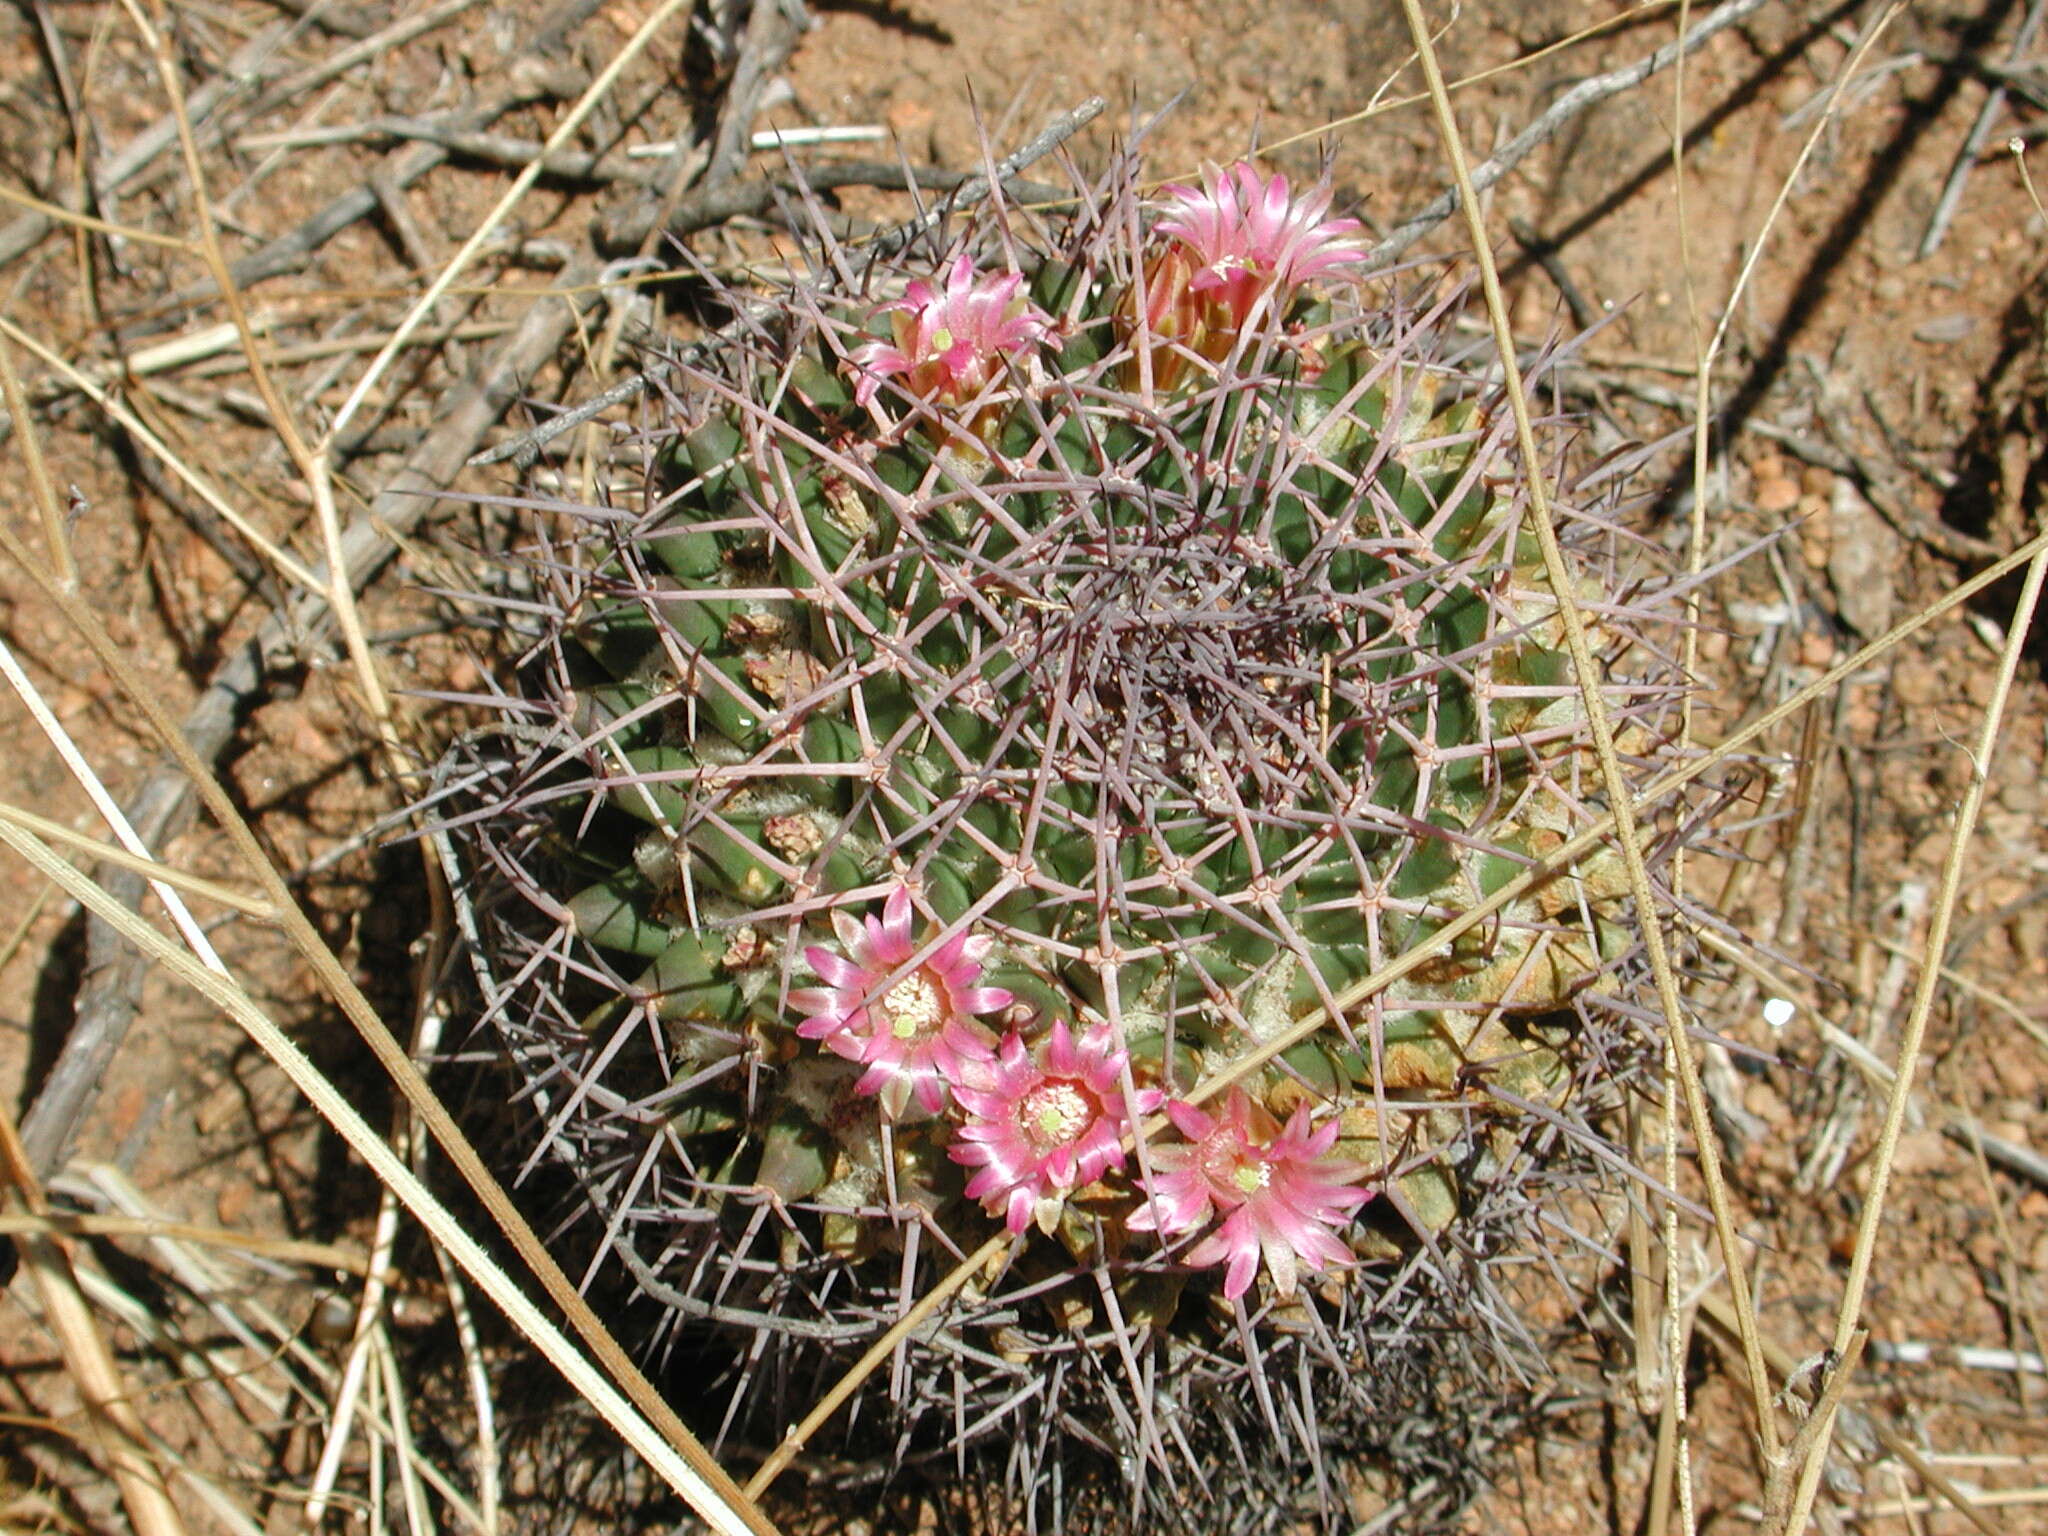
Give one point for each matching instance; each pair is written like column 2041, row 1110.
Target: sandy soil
column 1880, row 439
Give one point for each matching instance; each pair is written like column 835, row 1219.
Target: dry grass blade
column 1649, row 926
column 1567, row 107
column 137, row 851
column 312, row 469
column 40, row 486
column 1533, row 57
column 457, row 264
column 57, row 215
column 700, row 1471
column 141, row 864
column 283, row 1250
column 687, row 1463
column 1849, row 1316
column 115, row 1429
column 287, row 564
column 728, row 1514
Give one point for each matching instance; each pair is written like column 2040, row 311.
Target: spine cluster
column 1043, row 672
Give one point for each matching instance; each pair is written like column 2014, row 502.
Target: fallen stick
column 108, row 998
column 28, row 230
column 1587, row 93
column 528, row 78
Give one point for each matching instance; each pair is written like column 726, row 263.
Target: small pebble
column 1777, row 495
column 1920, row 1152
column 1916, row 682
column 231, row 1205
column 1816, row 650
column 1946, row 328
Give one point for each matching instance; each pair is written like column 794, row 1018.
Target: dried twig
column 1979, row 135
column 975, row 188
column 499, row 149
column 1587, row 93
column 27, row 231
column 773, row 27
column 106, row 1006
column 2009, row 1155
column 1585, row 315
column 624, row 232
column 1848, row 1318
column 118, row 1434
column 529, row 75
column 1649, row 925
column 295, row 87
column 707, row 1489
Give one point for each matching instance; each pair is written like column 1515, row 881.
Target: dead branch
column 1584, row 95
column 107, row 1003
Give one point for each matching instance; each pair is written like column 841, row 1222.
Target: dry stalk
column 117, row 1432
column 1848, row 1318
column 1671, row 1469
column 315, row 472
column 314, row 467
column 726, row 1512
column 368, row 1343
column 103, row 802
column 1561, row 112
column 40, row 486
column 284, row 1250
column 141, row 864
column 597, row 90
column 1706, row 354
column 287, row 564
column 682, row 1451
column 1625, row 833
column 57, row 214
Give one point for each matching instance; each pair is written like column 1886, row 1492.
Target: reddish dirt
column 1928, row 376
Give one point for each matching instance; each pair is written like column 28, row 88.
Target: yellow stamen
column 912, row 1007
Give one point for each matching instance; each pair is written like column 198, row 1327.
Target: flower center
column 1053, row 1114
column 942, row 340
column 1234, row 1167
column 912, row 1006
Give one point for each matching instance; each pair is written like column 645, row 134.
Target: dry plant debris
column 341, row 155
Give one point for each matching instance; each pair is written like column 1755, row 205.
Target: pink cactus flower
column 1280, row 1191
column 1246, row 236
column 915, row 1035
column 1042, row 1126
column 948, row 343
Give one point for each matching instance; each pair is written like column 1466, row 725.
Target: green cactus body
column 1200, row 703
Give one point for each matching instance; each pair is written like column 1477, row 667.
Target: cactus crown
column 1040, row 670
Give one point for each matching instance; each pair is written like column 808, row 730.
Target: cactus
column 1011, row 701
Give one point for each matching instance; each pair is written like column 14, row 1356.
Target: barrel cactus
column 1031, row 673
